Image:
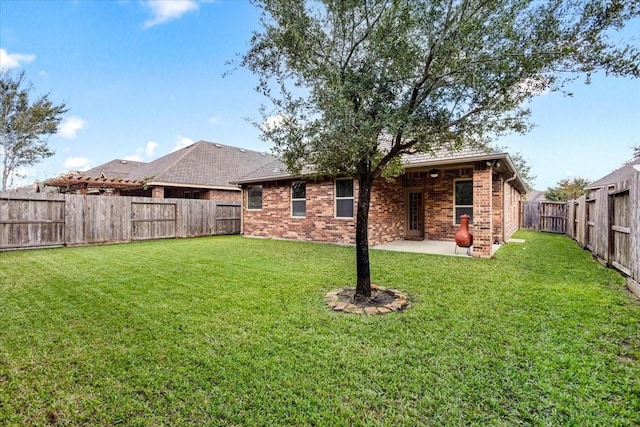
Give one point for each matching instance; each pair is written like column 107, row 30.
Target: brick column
column 482, row 210
column 157, row 192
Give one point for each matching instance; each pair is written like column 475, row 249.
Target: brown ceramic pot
column 464, row 239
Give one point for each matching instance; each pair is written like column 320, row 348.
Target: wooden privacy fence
column 608, row 224
column 544, row 216
column 46, row 220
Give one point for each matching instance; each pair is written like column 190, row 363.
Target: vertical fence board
column 620, row 243
column 530, row 216
column 601, row 225
column 633, row 282
column 228, row 219
column 580, row 220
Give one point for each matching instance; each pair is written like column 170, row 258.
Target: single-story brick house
column 203, row 170
column 424, row 203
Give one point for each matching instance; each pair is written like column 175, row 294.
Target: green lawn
column 235, row 331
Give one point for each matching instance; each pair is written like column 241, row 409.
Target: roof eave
column 263, row 179
column 519, row 184
column 176, row 184
column 456, row 160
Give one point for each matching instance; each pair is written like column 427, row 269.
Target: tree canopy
column 25, row 125
column 341, row 74
column 567, row 189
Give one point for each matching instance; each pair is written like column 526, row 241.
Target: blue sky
column 142, row 78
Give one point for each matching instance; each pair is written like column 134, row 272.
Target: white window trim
column 298, row 200
column 261, row 198
column 455, row 181
column 336, row 198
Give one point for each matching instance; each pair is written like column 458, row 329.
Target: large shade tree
column 25, row 125
column 357, row 83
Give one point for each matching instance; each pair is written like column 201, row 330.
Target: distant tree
column 567, row 189
column 24, row 125
column 424, row 73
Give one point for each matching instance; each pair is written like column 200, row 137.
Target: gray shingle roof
column 204, row 164
column 278, row 170
column 115, row 169
column 444, row 154
column 618, row 175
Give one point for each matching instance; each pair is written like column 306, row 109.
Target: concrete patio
column 435, row 247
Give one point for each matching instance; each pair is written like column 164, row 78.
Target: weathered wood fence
column 48, row 220
column 607, row 224
column 544, row 216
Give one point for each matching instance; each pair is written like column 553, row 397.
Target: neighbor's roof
column 618, row 175
column 115, row 169
column 204, row 164
column 277, row 170
column 200, row 165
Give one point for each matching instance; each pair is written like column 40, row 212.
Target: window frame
column 294, row 200
column 249, row 208
column 456, row 220
column 337, row 198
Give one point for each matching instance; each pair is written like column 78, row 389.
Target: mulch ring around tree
column 382, row 301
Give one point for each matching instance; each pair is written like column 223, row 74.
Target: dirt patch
column 382, row 301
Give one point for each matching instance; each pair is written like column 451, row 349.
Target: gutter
column 455, row 160
column 176, row 184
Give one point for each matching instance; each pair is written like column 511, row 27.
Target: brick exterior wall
column 495, row 205
column 482, row 210
column 439, row 205
column 386, row 220
column 497, row 202
column 512, row 199
column 222, row 195
column 319, row 224
column 157, row 192
column 196, row 193
column 386, row 212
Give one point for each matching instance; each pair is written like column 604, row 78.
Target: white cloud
column 273, row 122
column 151, row 148
column 77, row 163
column 215, row 120
column 181, row 142
column 148, row 150
column 166, row 10
column 134, row 158
column 13, row 60
column 71, row 126
column 570, row 173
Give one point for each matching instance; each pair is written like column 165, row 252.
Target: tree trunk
column 363, row 286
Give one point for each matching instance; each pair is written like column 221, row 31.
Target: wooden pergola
column 68, row 183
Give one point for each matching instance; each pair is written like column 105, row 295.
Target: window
column 344, row 198
column 298, row 199
column 463, row 200
column 254, row 197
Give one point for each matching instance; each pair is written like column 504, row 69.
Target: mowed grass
column 234, row 331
